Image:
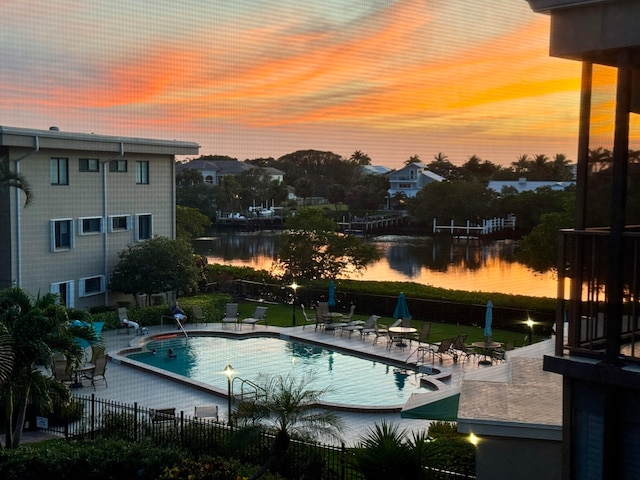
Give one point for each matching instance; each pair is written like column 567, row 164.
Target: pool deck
column 129, row 385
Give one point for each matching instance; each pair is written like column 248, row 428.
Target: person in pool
column 170, row 354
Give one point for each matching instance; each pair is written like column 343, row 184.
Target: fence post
column 93, row 415
column 136, row 432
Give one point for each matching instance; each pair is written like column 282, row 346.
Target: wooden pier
column 473, row 233
column 369, row 224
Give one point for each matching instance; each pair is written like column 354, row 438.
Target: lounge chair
column 349, row 316
column 206, row 412
column 306, row 317
column 231, row 314
column 259, row 315
column 125, row 323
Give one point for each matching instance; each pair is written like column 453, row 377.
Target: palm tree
column 384, row 452
column 9, row 178
column 289, row 410
column 37, row 328
column 360, row 158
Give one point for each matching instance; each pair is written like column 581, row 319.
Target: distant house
column 410, row 179
column 213, row 171
column 93, row 196
column 522, row 185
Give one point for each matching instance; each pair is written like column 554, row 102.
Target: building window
column 59, row 170
column 61, row 234
column 91, row 286
column 405, row 185
column 142, row 173
column 118, row 166
column 65, row 290
column 89, row 165
column 89, row 225
column 144, row 226
column 120, row 223
column 208, row 179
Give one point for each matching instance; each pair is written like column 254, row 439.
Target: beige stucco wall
column 84, row 197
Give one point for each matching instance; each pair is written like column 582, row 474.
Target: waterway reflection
column 486, row 268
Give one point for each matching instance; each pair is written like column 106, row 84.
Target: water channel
column 437, row 262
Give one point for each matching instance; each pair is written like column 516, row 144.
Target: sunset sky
column 255, row 78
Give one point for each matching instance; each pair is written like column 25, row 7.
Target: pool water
column 353, row 380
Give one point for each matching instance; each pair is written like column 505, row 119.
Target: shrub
column 88, row 459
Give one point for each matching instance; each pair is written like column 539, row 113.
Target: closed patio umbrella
column 332, row 294
column 402, row 310
column 488, row 319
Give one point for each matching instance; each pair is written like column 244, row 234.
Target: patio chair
column 500, row 354
column 62, row 372
column 125, row 323
column 459, row 348
column 369, row 326
column 306, row 317
column 424, row 333
column 231, row 314
column 441, row 349
column 259, row 315
column 98, row 372
column 197, row 314
column 423, row 348
column 323, row 310
column 163, row 416
column 206, row 412
column 380, row 331
column 321, row 320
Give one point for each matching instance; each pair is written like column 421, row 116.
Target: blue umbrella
column 488, row 319
column 332, row 294
column 97, row 327
column 402, row 310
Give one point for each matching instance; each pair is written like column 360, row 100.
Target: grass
column 281, row 315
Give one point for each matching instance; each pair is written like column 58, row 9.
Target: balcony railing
column 584, row 260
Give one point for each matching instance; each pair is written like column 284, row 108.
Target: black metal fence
column 91, row 417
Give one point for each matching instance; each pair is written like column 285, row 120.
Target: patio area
column 129, row 385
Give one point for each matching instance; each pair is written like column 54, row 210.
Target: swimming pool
column 354, row 381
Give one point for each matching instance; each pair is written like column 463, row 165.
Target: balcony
column 584, row 260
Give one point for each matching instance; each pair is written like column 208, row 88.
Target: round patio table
column 401, row 333
column 486, row 349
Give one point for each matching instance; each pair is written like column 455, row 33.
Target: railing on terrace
column 584, row 260
column 91, row 417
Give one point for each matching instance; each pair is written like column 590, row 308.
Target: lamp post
column 294, row 287
column 228, row 371
column 530, row 324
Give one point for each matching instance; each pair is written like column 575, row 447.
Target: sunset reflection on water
column 488, row 268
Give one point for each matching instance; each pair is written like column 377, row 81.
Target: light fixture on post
column 228, row 371
column 530, row 324
column 294, row 287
